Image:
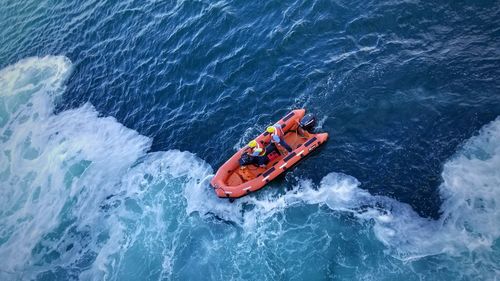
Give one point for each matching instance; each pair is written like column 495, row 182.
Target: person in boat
column 258, row 154
column 277, row 136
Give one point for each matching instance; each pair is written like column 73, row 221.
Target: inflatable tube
column 234, row 181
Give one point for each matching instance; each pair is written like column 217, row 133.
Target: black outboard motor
column 308, row 122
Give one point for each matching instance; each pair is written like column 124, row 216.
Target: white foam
column 27, row 80
column 75, row 166
column 21, row 82
column 470, row 216
column 470, row 193
column 54, row 160
column 471, row 189
column 46, row 74
column 157, row 184
column 78, row 159
column 338, row 194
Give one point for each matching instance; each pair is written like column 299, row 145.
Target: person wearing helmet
column 277, row 136
column 256, row 148
column 258, row 154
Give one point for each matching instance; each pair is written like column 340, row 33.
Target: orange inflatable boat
column 233, row 180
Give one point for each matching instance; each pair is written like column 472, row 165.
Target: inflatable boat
column 233, row 180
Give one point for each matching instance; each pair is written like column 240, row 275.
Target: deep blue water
column 113, row 115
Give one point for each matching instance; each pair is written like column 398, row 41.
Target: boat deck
column 244, row 174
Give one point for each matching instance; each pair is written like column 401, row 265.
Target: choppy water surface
column 115, row 114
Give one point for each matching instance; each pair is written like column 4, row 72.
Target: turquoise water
column 115, row 115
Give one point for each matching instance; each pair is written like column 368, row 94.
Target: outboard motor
column 308, row 122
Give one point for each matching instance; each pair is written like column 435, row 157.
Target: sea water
column 114, row 116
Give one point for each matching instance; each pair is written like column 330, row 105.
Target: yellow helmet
column 270, row 129
column 252, row 144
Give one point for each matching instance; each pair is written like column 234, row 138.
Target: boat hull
column 228, row 181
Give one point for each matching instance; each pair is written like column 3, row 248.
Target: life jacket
column 277, row 132
column 258, row 147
